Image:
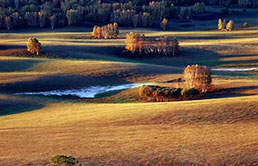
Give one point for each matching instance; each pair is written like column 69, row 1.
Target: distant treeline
column 137, row 13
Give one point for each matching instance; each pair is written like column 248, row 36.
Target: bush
column 190, row 92
column 198, row 77
column 62, row 160
column 33, row 45
column 245, row 25
column 230, row 25
column 157, row 93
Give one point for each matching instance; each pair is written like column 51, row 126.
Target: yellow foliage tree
column 198, row 77
column 33, row 45
column 106, row 31
column 164, row 24
column 230, row 25
column 220, row 24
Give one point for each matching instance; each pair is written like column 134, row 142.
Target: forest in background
column 135, row 13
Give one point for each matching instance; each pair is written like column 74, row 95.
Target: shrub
column 198, row 77
column 33, row 45
column 62, row 160
column 230, row 25
column 157, row 93
column 245, row 25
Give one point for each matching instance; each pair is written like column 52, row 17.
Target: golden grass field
column 121, row 129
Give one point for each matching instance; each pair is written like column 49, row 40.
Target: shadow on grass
column 8, row 107
column 230, row 92
column 187, row 55
column 17, row 65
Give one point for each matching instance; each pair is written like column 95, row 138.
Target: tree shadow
column 17, row 65
column 230, row 92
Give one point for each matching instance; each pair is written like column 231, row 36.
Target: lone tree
column 164, row 24
column 33, row 45
column 220, row 24
column 230, row 25
column 197, row 77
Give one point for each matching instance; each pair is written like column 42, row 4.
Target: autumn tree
column 164, row 24
column 33, row 45
column 135, row 20
column 163, row 45
column 73, row 17
column 31, row 18
column 131, row 41
column 220, row 24
column 8, row 22
column 106, row 31
column 53, row 21
column 230, row 25
column 146, row 19
column 198, row 77
column 42, row 19
column 116, row 30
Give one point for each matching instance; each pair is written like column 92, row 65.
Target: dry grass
column 215, row 132
column 211, row 132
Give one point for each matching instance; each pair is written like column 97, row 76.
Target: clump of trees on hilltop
column 196, row 80
column 136, row 43
column 106, row 31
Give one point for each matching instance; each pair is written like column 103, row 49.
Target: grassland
column 121, row 129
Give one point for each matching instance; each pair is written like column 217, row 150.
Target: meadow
column 120, row 128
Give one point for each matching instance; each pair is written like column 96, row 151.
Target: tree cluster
column 188, row 12
column 106, row 31
column 137, row 13
column 197, row 77
column 224, row 26
column 143, row 45
column 33, row 46
column 157, row 93
column 228, row 3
